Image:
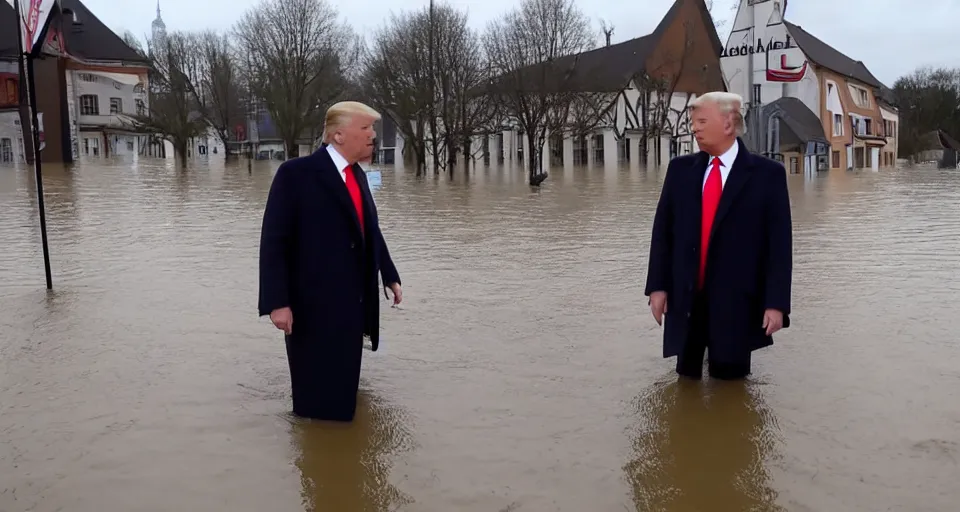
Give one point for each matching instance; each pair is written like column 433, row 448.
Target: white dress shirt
column 339, row 161
column 726, row 163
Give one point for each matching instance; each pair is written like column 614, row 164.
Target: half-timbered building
column 642, row 86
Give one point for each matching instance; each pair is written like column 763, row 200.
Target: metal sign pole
column 32, row 92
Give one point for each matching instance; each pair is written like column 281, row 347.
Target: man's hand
column 772, row 321
column 397, row 293
column 658, row 306
column 282, row 319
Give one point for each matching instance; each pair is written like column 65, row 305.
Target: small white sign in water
column 374, row 179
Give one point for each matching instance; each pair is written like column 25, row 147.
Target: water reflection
column 702, row 447
column 346, row 467
column 522, row 311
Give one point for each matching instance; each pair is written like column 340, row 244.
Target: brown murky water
column 522, row 373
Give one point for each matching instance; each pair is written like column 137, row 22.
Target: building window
column 116, row 106
column 860, row 96
column 9, row 96
column 623, row 149
column 868, row 127
column 836, row 160
column 91, row 146
column 580, row 150
column 837, row 125
column 598, row 148
column 141, row 107
column 6, row 151
column 89, row 105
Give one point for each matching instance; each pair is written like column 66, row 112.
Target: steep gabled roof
column 824, row 55
column 887, row 97
column 604, row 69
column 88, row 39
column 939, row 139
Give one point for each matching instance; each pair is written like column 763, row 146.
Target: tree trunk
column 180, row 152
column 293, row 150
column 533, row 161
column 451, row 145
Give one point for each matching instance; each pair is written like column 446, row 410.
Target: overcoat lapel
column 738, row 177
column 333, row 183
column 366, row 197
column 695, row 189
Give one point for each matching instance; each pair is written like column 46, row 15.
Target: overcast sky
column 892, row 37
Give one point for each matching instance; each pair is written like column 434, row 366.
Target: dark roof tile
column 826, row 56
column 603, row 69
column 89, row 39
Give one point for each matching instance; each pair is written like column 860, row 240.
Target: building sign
column 786, row 73
column 760, row 47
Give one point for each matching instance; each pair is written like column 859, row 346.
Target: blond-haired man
column 321, row 251
column 720, row 267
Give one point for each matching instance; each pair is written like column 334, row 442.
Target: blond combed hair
column 728, row 102
column 341, row 113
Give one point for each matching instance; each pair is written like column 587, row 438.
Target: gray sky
column 892, row 37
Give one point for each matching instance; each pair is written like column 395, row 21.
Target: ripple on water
column 522, row 370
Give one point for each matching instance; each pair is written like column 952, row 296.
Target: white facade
column 11, row 139
column 615, row 141
column 891, row 119
column 761, row 58
column 102, row 106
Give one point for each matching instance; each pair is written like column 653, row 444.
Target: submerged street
column 522, row 371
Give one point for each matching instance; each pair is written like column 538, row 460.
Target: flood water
column 523, row 371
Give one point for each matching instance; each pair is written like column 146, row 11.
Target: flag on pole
column 34, row 17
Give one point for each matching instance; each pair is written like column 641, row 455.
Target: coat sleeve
column 276, row 241
column 659, row 266
column 388, row 271
column 779, row 236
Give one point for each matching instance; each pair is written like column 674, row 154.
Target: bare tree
column 534, row 51
column 607, row 29
column 300, row 54
column 220, row 85
column 397, row 72
column 459, row 68
column 174, row 110
column 587, row 111
column 134, row 42
column 657, row 85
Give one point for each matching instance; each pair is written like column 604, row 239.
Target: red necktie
column 354, row 191
column 711, row 198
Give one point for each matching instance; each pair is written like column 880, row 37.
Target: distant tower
column 159, row 28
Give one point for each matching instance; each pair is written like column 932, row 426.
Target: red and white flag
column 34, row 16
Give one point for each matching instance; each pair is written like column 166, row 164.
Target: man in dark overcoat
column 321, row 251
column 720, row 267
